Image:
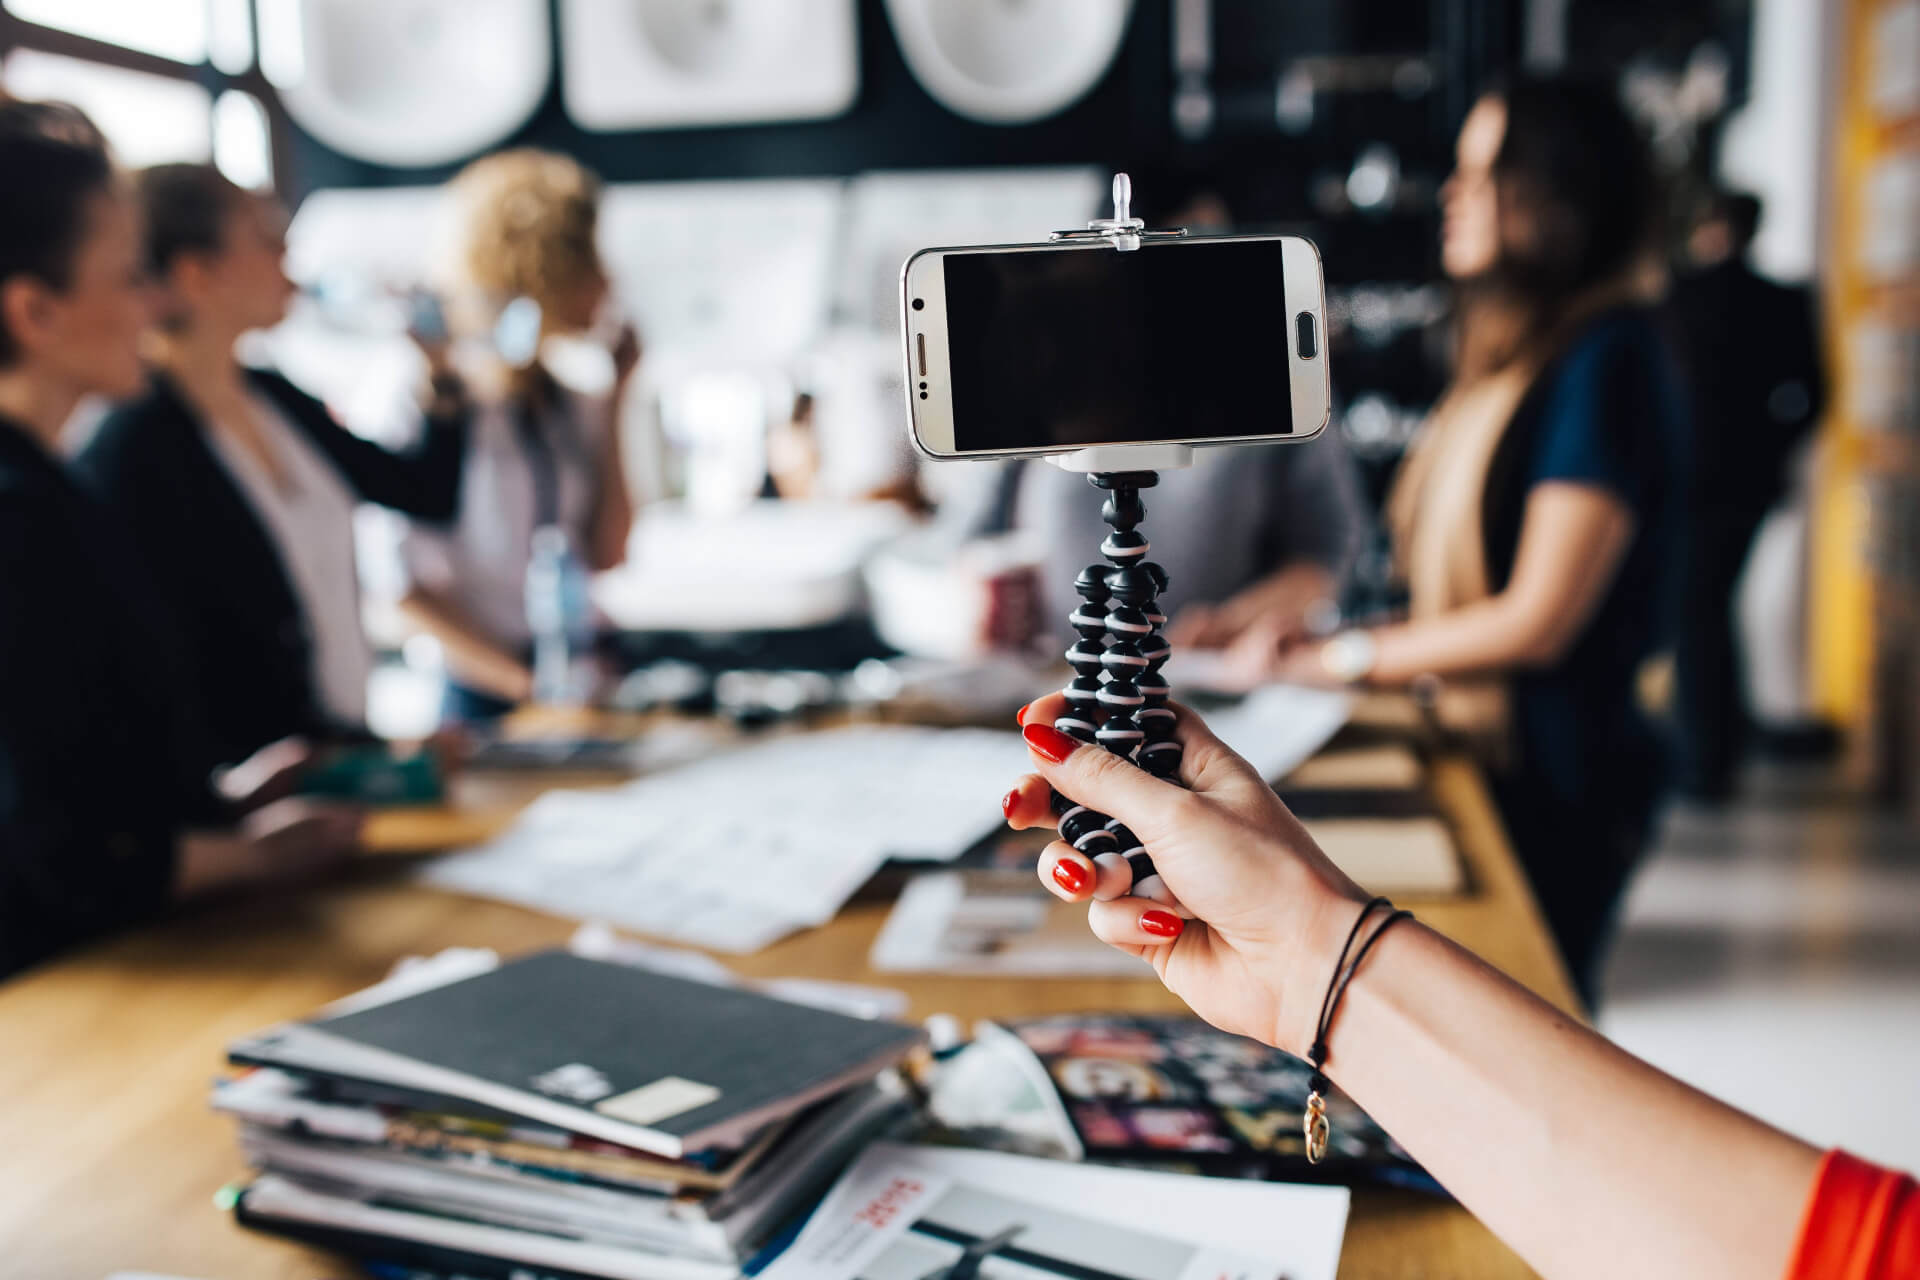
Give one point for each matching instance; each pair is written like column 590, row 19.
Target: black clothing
column 1588, row 767
column 101, row 760
column 1750, row 351
column 206, row 548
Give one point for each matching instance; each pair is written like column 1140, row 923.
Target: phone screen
column 1093, row 346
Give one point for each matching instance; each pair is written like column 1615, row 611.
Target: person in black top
column 240, row 488
column 1751, row 352
column 107, row 809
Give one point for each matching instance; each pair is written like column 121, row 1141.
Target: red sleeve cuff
column 1862, row 1222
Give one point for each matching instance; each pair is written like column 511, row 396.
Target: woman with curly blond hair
column 541, row 455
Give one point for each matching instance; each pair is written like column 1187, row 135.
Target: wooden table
column 111, row 1159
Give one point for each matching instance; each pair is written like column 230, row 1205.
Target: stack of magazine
column 557, row 1115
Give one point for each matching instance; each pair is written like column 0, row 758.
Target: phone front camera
column 919, row 304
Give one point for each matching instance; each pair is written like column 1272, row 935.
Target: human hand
column 1275, row 608
column 1272, row 911
column 294, row 838
column 427, row 328
column 1303, row 662
column 269, row 774
column 1199, row 626
column 286, row 841
column 626, row 351
column 1271, row 652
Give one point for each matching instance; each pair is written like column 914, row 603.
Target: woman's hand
column 625, row 352
column 287, row 841
column 1272, row 911
column 1277, row 606
column 269, row 774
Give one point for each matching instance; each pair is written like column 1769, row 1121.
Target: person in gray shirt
column 1249, row 534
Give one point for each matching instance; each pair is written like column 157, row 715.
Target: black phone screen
column 1178, row 341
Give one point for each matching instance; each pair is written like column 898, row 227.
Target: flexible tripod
column 1117, row 697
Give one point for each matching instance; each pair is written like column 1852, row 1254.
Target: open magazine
column 932, row 1213
column 1164, row 1092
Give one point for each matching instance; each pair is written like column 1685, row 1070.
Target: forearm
column 1587, row 1161
column 1573, row 539
column 1292, row 589
column 1274, row 608
column 613, row 511
column 1478, row 639
column 476, row 658
column 209, row 862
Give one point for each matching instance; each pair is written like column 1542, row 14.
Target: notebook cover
column 682, row 1062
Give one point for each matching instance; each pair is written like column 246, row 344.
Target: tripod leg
column 1118, row 697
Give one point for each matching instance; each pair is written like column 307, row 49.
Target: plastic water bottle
column 560, row 615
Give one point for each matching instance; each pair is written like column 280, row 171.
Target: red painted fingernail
column 1073, row 877
column 1020, row 717
column 1161, row 924
column 1049, row 743
column 1006, row 806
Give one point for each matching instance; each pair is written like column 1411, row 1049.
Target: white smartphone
column 1047, row 348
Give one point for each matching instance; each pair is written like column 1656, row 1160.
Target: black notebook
column 606, row 1050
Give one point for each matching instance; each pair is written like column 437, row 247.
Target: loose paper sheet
column 738, row 850
column 1279, row 727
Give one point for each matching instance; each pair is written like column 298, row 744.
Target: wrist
column 1316, row 955
column 1350, row 657
column 207, row 861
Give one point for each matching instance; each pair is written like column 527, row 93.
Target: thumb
column 1093, row 776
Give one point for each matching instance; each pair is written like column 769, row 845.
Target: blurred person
column 793, row 454
column 240, row 488
column 1751, row 352
column 1536, row 517
column 797, row 469
column 1587, row 1161
column 540, row 455
column 108, row 808
column 1248, row 535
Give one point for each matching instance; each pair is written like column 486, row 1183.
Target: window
column 230, row 36
column 175, row 29
column 241, row 145
column 149, row 119
column 165, row 80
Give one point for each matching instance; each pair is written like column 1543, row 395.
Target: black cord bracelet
column 1313, row 1120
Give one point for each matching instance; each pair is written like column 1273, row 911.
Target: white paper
column 1152, row 1226
column 949, row 922
column 740, row 849
column 276, row 1198
column 1280, row 727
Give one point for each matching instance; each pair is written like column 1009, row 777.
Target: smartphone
column 426, row 319
column 374, row 774
column 1047, row 348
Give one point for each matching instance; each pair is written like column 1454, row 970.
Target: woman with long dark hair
column 107, row 808
column 1535, row 518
